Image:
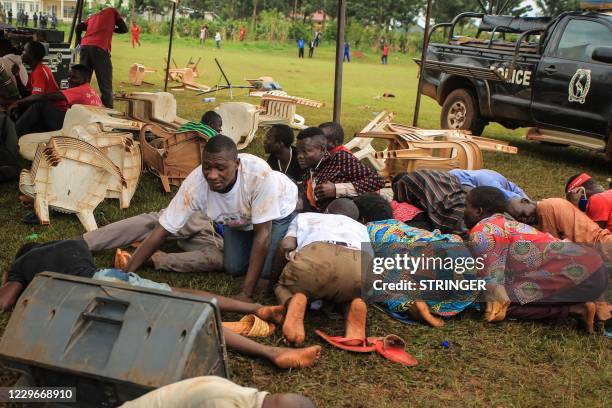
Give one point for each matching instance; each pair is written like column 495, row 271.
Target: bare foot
column 293, row 328
column 296, row 358
column 421, row 311
column 355, row 328
column 602, row 311
column 271, row 314
column 122, row 258
column 9, row 293
column 586, row 314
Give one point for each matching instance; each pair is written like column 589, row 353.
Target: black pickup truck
column 552, row 75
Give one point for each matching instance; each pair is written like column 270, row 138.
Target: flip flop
column 393, row 348
column 251, row 326
column 340, row 342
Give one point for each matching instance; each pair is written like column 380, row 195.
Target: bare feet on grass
column 420, row 311
column 293, row 328
column 355, row 328
column 296, row 358
column 271, row 314
column 603, row 310
column 586, row 314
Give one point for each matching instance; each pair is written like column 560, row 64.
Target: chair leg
column 165, row 183
column 41, row 207
column 87, row 219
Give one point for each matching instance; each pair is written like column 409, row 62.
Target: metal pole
column 417, row 107
column 77, row 11
column 170, row 47
column 339, row 60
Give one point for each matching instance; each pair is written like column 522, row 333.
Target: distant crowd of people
column 23, row 19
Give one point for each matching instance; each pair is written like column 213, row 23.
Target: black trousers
column 40, row 117
column 99, row 61
column 301, row 53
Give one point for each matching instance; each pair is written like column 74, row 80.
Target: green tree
column 446, row 10
column 556, row 7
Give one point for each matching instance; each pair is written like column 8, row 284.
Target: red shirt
column 41, row 80
column 135, row 31
column 338, row 149
column 82, row 95
column 386, row 50
column 100, row 28
column 600, row 208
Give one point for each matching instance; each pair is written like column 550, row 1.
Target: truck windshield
column 581, row 38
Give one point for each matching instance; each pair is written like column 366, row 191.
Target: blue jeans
column 115, row 275
column 237, row 246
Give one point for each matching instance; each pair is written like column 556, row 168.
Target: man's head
column 373, row 207
column 343, row 206
column 33, row 53
column 277, row 138
column 212, row 119
column 334, row 134
column 483, row 202
column 523, row 210
column 5, row 47
column 220, row 163
column 579, row 188
column 287, row 401
column 79, row 75
column 311, row 147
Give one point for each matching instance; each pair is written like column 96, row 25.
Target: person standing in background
column 311, row 47
column 218, row 39
column 35, row 20
column 300, row 45
column 10, row 16
column 203, row 33
column 347, row 52
column 242, row 33
column 54, row 22
column 385, row 54
column 96, row 47
column 135, row 34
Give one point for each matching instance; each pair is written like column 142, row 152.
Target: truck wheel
column 460, row 111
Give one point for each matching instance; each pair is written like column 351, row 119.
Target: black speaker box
column 113, row 342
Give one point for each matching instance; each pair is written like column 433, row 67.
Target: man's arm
column 48, row 96
column 147, row 248
column 120, row 26
column 262, row 234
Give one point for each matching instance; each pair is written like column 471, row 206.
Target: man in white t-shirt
column 321, row 259
column 215, row 392
column 240, row 191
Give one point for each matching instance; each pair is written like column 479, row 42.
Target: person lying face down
column 332, row 176
column 215, row 392
column 240, row 191
column 72, row 257
column 549, row 279
column 589, row 196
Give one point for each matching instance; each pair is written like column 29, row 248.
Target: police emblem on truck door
column 580, row 85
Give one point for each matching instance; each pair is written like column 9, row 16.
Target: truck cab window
column 581, row 38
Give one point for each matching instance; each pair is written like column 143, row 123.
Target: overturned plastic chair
column 152, row 107
column 109, row 119
column 240, row 121
column 71, row 176
column 178, row 154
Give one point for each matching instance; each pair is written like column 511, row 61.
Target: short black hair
column 337, row 133
column 373, row 207
column 209, row 117
column 344, row 206
column 221, row 143
column 282, row 133
column 588, row 185
column 313, row 133
column 25, row 248
column 37, row 49
column 490, row 199
column 86, row 72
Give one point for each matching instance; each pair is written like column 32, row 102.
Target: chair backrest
column 284, row 110
column 240, row 120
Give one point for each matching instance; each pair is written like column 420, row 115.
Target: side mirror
column 603, row 54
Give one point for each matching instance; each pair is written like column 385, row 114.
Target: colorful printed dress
column 530, row 264
column 390, row 238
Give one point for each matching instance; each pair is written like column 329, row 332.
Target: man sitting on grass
column 335, row 137
column 240, row 191
column 332, row 176
column 46, row 111
column 72, row 257
column 210, row 124
column 278, row 143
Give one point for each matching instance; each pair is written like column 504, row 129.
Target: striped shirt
column 198, row 127
column 439, row 194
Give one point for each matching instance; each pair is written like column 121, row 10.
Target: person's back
column 330, row 228
column 100, row 28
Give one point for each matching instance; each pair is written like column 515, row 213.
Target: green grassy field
column 504, row 365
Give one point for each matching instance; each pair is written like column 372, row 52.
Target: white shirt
column 259, row 195
column 200, row 392
column 11, row 59
column 218, row 37
column 315, row 227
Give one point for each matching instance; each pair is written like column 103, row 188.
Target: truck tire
column 460, row 111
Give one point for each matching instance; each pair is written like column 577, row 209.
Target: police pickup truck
column 554, row 76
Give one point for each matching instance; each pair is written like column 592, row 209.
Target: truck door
column 571, row 90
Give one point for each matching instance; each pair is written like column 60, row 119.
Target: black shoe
column 31, row 218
